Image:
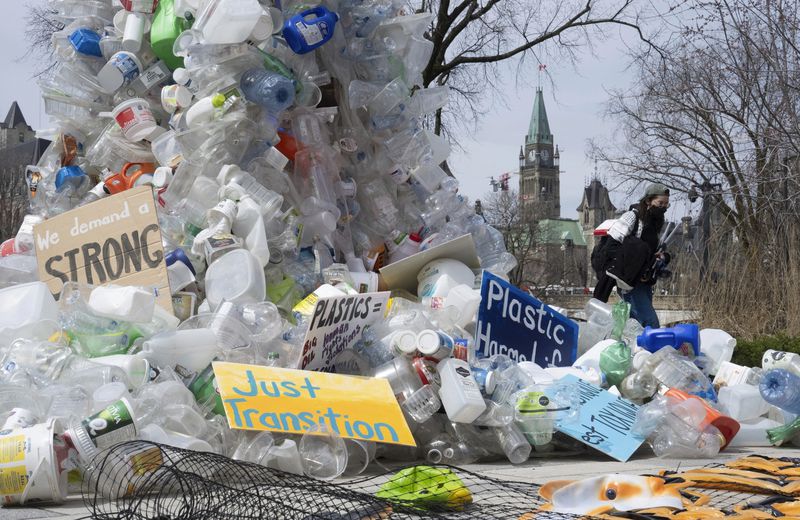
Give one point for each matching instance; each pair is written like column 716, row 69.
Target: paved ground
column 536, row 470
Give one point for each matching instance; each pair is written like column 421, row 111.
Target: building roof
column 14, row 118
column 539, row 127
column 557, row 230
column 595, row 196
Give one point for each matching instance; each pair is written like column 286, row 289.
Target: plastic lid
column 87, row 42
column 218, row 100
column 70, row 175
column 405, row 341
column 110, row 392
column 81, row 440
column 428, row 342
column 263, row 28
column 162, row 176
column 276, row 159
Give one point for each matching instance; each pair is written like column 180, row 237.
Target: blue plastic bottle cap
column 87, row 42
column 70, row 176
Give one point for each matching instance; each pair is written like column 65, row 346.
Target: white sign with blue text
column 514, row 323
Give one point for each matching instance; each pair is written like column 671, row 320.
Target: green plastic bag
column 426, row 486
column 615, row 361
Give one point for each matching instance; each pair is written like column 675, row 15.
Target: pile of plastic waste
column 288, row 147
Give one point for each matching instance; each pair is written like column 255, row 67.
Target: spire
column 539, row 128
column 14, row 117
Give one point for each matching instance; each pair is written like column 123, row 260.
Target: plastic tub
column 135, row 119
column 31, row 462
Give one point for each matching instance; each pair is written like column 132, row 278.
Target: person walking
column 633, row 246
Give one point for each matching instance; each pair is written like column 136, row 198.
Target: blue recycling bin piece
column 679, row 337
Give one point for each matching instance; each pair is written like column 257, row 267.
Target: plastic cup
column 323, row 453
column 135, row 119
column 31, row 465
column 359, row 455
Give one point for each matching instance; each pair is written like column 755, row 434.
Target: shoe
column 622, row 284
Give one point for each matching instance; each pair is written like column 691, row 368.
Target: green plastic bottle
column 167, row 25
column 615, row 361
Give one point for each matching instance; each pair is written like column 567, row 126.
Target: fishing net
column 141, row 480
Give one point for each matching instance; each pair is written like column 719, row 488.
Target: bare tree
column 473, row 38
column 41, row 23
column 720, row 108
column 718, row 113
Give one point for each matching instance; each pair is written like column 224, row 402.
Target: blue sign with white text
column 514, row 323
column 605, row 423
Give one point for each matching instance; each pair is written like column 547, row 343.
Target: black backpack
column 600, row 258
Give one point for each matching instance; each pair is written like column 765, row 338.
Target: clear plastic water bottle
column 268, row 89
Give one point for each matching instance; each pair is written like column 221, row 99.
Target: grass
column 748, row 352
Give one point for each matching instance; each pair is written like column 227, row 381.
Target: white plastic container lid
column 428, row 342
column 405, row 341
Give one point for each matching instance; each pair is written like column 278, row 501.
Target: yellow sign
column 114, row 240
column 291, row 401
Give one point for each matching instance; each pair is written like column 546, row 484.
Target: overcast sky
column 574, row 110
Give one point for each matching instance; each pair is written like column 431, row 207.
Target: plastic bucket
column 135, row 119
column 31, row 465
column 121, row 69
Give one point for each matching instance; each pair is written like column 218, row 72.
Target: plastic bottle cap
column 218, row 100
column 70, row 175
column 405, row 341
column 428, row 342
column 162, row 176
column 276, row 159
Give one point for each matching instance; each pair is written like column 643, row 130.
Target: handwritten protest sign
column 116, row 239
column 291, row 401
column 514, row 323
column 336, row 324
column 605, row 422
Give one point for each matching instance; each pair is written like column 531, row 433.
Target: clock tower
column 538, row 167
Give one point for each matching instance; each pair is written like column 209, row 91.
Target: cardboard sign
column 291, row 401
column 516, row 324
column 605, row 421
column 403, row 274
column 336, row 324
column 116, row 239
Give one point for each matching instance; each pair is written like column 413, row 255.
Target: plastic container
column 515, row 446
column 684, row 337
column 137, row 369
column 167, row 26
column 309, row 29
column 753, row 434
column 24, row 305
column 460, row 393
column 176, row 97
column 192, row 349
column 786, row 360
column 434, row 345
column 135, row 119
column 227, row 21
column 401, row 376
column 430, row 274
column 742, row 402
column 32, row 465
column 123, row 303
column 114, row 424
column 236, row 276
column 718, row 346
column 403, row 343
column 323, row 453
column 422, row 404
column 122, row 69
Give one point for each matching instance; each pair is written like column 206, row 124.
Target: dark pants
column 641, row 300
column 605, row 284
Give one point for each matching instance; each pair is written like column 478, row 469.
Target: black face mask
column 656, row 211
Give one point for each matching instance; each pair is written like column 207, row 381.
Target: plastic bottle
column 675, row 371
column 684, row 337
column 638, row 386
column 270, row 90
column 460, row 394
column 514, row 444
column 269, row 201
column 204, row 110
column 718, row 345
column 227, row 21
column 309, row 29
column 781, row 388
column 785, row 360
